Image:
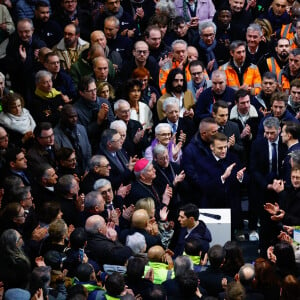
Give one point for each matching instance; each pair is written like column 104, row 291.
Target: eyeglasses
column 141, row 51
column 91, row 91
column 47, row 137
column 196, row 73
column 123, row 112
column 163, row 158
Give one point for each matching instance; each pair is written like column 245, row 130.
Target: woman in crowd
column 16, row 119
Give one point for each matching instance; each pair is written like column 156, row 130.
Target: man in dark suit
column 121, row 167
column 265, row 165
column 220, row 113
column 183, row 127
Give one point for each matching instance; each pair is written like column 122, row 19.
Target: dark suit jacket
column 186, row 125
column 117, row 175
column 232, row 128
column 259, row 165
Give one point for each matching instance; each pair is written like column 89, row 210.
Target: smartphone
column 81, row 254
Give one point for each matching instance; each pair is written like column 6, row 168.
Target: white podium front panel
column 219, row 224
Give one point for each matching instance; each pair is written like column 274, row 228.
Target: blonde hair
column 147, row 204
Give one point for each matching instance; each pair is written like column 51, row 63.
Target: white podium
column 220, row 229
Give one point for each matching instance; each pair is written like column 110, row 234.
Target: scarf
column 295, row 106
column 49, row 95
column 20, row 124
column 155, row 142
column 209, row 52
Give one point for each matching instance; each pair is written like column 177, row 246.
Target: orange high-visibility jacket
column 164, row 72
column 251, row 77
column 273, row 66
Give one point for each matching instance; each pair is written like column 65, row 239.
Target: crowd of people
column 120, row 119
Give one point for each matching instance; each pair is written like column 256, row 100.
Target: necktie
column 221, row 129
column 274, row 159
column 174, row 128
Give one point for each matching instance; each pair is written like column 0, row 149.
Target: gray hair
column 179, row 42
column 119, row 102
column 182, row 264
column 255, row 27
column 167, row 7
column 101, row 183
column 2, row 76
column 113, row 18
column 91, row 200
column 118, row 124
column 136, row 242
column 138, row 174
column 206, row 24
column 41, row 74
column 99, row 58
column 95, row 161
column 93, row 223
column 160, row 126
column 295, row 156
column 65, row 183
column 170, row 101
column 159, row 149
column 20, row 193
column 271, row 122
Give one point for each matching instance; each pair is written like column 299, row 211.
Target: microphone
column 213, row 216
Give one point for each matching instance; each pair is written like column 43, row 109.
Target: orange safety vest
column 285, row 31
column 164, row 72
column 251, row 77
column 284, row 82
column 273, row 66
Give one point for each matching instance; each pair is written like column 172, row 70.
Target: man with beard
column 262, row 102
column 291, row 71
column 47, row 30
column 218, row 91
column 72, row 135
column 70, row 47
column 277, row 62
column 176, row 86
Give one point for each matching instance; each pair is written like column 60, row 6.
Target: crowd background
column 119, row 120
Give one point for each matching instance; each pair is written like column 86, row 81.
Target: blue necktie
column 174, row 128
column 274, row 159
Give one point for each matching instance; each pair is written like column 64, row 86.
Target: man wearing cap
column 143, row 187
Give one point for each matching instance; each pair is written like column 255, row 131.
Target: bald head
column 95, row 224
column 246, row 274
column 100, row 67
column 140, row 219
column 156, row 253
